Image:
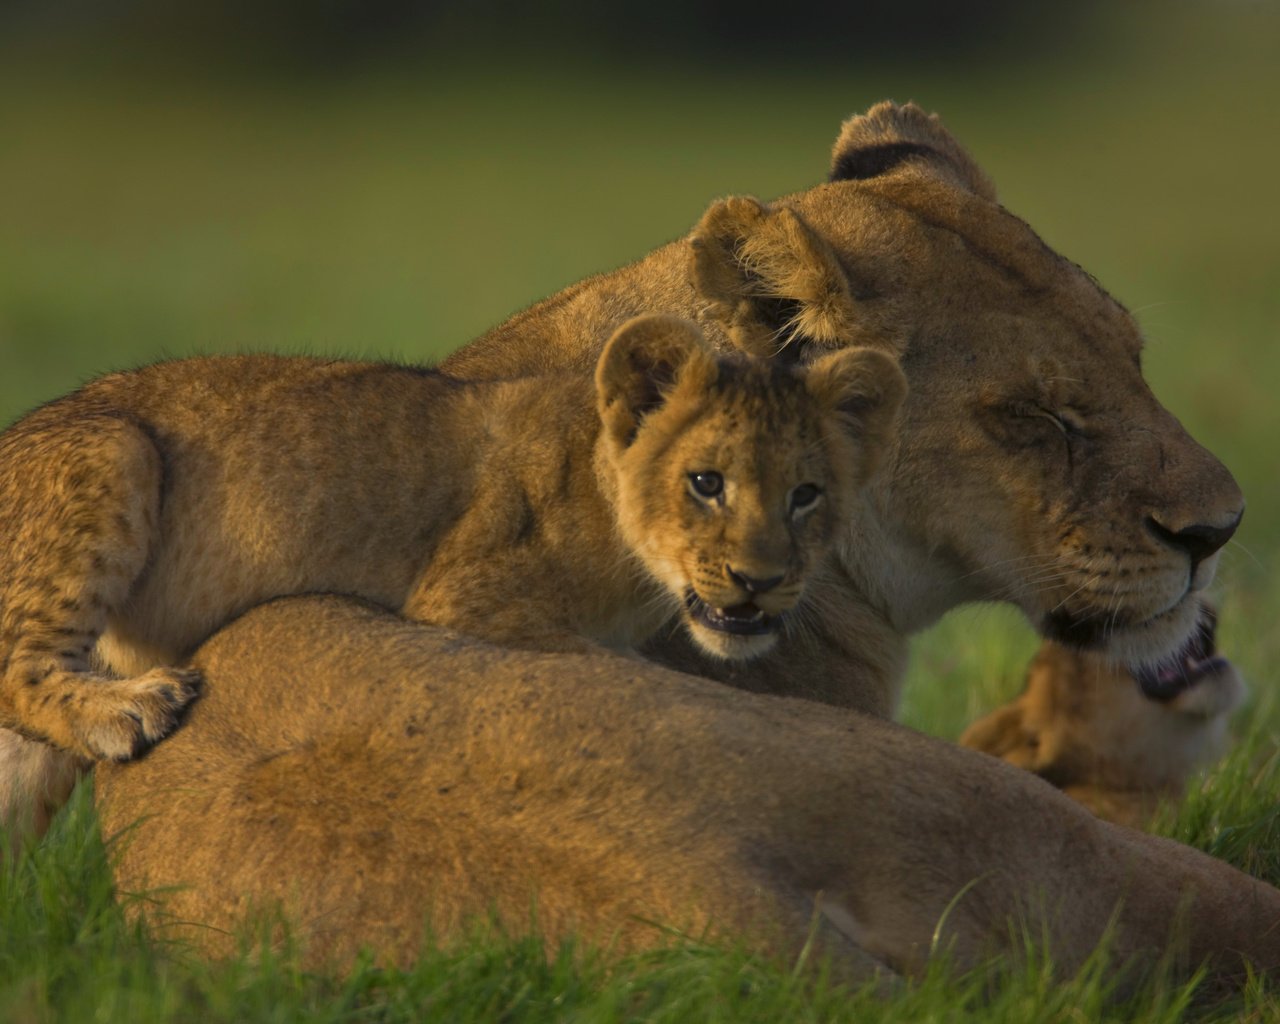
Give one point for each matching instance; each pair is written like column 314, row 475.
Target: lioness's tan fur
column 344, row 765
column 152, row 506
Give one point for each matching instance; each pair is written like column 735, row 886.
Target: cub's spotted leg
column 79, row 511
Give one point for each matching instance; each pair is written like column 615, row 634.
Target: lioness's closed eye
column 554, row 513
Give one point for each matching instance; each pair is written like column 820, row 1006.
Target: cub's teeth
column 757, row 614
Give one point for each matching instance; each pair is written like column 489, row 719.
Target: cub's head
column 731, row 476
column 1116, row 741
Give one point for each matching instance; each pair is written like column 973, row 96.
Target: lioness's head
column 1034, row 464
column 731, row 476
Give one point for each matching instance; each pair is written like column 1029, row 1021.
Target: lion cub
column 1118, row 743
column 151, row 506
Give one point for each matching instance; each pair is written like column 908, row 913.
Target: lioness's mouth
column 1197, row 658
column 740, row 619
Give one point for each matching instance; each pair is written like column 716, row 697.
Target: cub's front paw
column 124, row 718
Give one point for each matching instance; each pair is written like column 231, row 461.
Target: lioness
column 389, row 793
column 154, row 505
column 1117, row 744
column 1033, row 464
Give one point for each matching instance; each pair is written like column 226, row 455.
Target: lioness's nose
column 753, row 584
column 1199, row 540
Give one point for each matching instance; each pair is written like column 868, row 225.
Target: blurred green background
column 390, row 179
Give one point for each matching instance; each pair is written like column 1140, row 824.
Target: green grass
column 401, row 213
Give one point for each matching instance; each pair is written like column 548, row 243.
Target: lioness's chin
column 1133, row 644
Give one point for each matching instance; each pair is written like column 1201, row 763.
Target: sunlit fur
column 765, row 428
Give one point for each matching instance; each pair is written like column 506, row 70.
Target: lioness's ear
column 642, row 363
column 864, row 388
column 889, row 137
column 771, row 280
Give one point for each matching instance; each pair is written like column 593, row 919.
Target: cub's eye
column 707, row 484
column 804, row 496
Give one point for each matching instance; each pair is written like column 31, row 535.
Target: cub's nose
column 1199, row 540
column 754, row 584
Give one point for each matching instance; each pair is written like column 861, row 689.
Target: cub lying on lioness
column 152, row 506
column 1032, row 465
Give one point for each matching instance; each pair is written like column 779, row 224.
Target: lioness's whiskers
column 1109, row 626
column 1088, row 582
column 1233, row 543
column 1029, row 563
column 1031, row 587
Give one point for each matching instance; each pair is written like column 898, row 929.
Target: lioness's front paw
column 125, row 717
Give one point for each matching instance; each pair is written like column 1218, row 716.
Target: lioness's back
column 411, row 779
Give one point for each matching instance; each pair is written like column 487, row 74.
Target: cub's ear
column 642, row 364
column 889, row 137
column 770, row 279
column 864, row 388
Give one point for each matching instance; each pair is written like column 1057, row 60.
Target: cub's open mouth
column 1197, row 658
column 740, row 620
